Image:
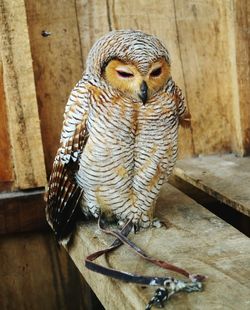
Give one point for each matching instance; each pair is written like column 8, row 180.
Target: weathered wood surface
column 57, row 64
column 242, row 44
column 194, row 239
column 22, row 211
column 20, row 96
column 6, row 169
column 227, row 178
column 212, row 71
column 36, row 275
column 207, row 52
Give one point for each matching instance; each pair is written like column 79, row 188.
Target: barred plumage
column 117, row 149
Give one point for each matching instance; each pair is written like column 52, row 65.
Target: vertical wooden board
column 93, row 21
column 6, row 171
column 23, row 120
column 157, row 18
column 203, row 29
column 242, row 34
column 57, row 64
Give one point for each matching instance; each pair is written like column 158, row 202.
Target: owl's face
column 131, row 61
column 130, row 80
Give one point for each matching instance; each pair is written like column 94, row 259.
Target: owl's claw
column 121, row 224
column 136, row 227
column 157, row 223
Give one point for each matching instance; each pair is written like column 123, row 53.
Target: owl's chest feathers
column 117, row 124
column 114, row 111
column 127, row 152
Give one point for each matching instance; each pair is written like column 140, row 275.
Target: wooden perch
column 193, row 238
column 226, row 178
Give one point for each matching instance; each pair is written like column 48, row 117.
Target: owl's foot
column 136, row 224
column 139, row 220
column 121, row 224
column 156, row 223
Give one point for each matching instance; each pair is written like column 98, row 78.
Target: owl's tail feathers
column 63, row 199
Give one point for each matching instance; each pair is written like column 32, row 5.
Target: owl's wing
column 64, row 194
column 184, row 114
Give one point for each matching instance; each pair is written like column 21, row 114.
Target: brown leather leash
column 168, row 285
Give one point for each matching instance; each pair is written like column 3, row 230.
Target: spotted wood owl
column 119, row 137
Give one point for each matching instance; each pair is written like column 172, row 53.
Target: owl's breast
column 155, row 149
column 106, row 163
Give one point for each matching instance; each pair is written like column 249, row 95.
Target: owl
column 119, row 136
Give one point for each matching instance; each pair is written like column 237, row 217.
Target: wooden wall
column 207, row 61
column 209, row 45
column 18, row 100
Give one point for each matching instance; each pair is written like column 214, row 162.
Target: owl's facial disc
column 128, row 79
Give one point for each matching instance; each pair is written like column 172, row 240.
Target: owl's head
column 130, row 61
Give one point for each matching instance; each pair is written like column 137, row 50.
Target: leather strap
column 121, row 238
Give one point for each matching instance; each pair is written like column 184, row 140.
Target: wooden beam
column 226, row 178
column 19, row 87
column 193, row 238
column 36, row 275
column 22, row 211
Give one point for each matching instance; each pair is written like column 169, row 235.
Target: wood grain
column 57, row 64
column 23, row 120
column 194, row 239
column 22, row 211
column 6, row 171
column 93, row 22
column 227, row 178
column 242, row 45
column 203, row 29
column 36, row 275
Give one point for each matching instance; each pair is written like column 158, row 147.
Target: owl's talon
column 136, row 227
column 156, row 223
column 120, row 224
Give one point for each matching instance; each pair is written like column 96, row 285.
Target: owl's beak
column 143, row 92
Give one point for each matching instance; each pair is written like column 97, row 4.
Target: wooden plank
column 208, row 58
column 23, row 120
column 22, row 211
column 227, row 178
column 6, row 170
column 194, row 239
column 36, row 275
column 57, row 64
column 242, row 43
column 93, row 22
